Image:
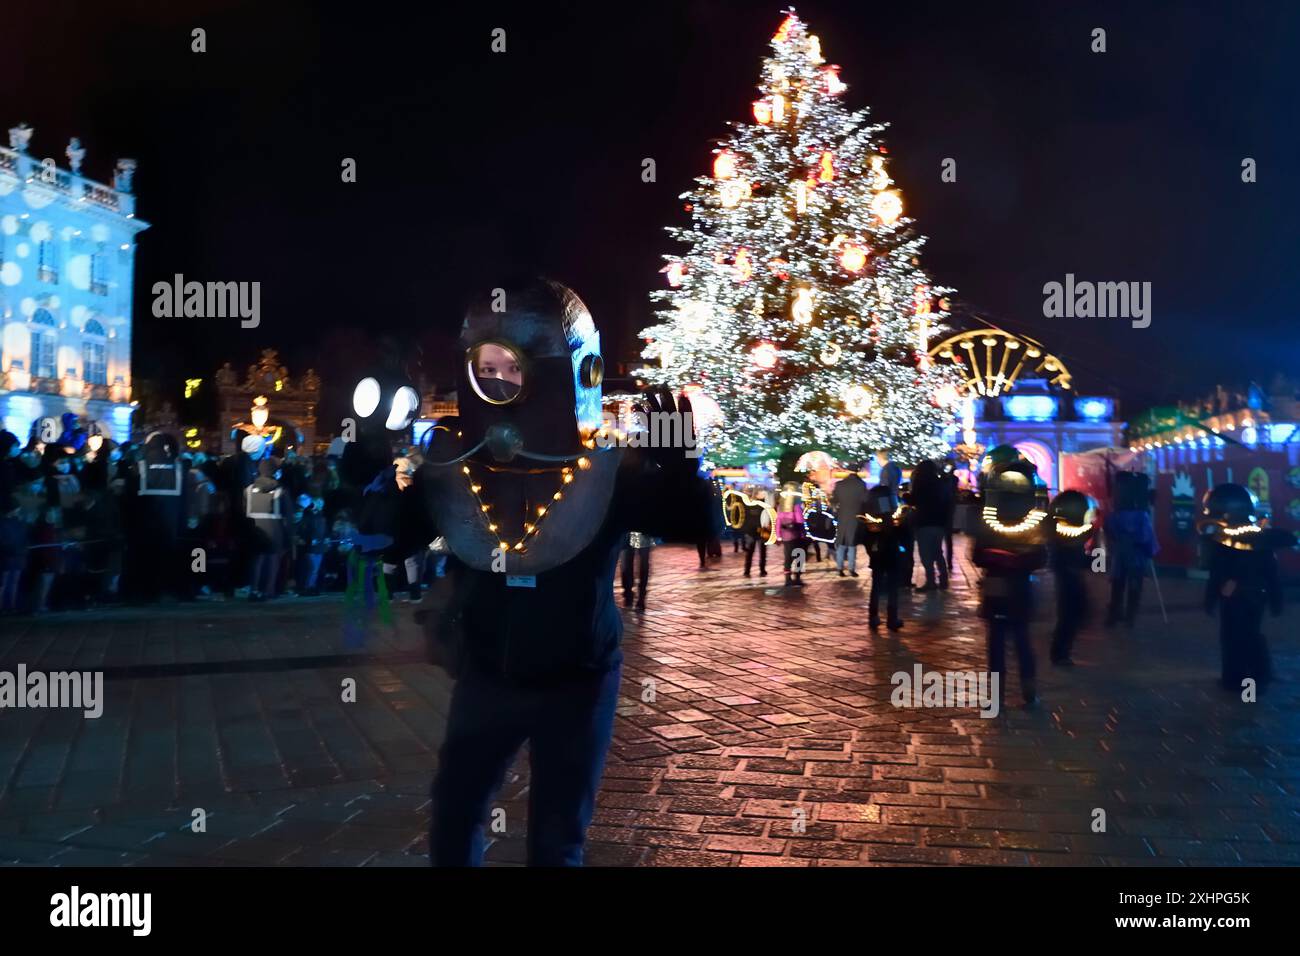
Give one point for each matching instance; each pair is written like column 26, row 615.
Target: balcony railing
column 101, row 196
column 29, row 169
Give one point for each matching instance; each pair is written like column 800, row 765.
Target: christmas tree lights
column 799, row 306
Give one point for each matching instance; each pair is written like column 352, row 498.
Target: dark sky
column 1118, row 166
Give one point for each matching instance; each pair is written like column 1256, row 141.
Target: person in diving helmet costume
column 1072, row 526
column 1243, row 581
column 1008, row 547
column 534, row 504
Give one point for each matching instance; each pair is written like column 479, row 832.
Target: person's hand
column 682, row 460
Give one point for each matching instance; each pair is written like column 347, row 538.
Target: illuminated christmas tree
column 800, row 308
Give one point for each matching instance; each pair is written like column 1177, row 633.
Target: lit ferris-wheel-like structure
column 992, row 359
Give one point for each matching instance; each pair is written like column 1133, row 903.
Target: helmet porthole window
column 496, row 372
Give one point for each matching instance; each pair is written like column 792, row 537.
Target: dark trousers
column 568, row 728
column 789, row 548
column 947, row 544
column 266, row 571
column 1242, row 647
column 750, row 545
column 883, row 582
column 641, row 557
column 1017, row 628
column 929, row 541
column 1125, row 596
column 1071, row 604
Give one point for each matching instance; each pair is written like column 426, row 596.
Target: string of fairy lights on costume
column 1027, row 523
column 1242, row 529
column 898, row 513
column 531, row 528
column 1072, row 530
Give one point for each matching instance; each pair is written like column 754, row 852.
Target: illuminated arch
column 992, row 359
column 1044, row 459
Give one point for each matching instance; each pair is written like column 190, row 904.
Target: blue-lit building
column 1017, row 393
column 67, row 255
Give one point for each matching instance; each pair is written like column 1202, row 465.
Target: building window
column 47, row 266
column 99, row 272
column 95, row 366
column 44, row 338
column 94, row 354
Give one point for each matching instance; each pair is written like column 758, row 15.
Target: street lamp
column 260, row 412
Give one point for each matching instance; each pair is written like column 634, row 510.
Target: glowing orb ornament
column 887, row 206
column 764, row 355
column 762, row 112
column 730, row 193
column 830, row 355
column 858, row 400
column 853, row 257
column 815, row 48
column 724, row 165
column 946, row 396
column 675, row 271
column 694, row 316
column 706, row 413
column 834, row 85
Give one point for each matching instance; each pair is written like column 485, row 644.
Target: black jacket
column 566, row 623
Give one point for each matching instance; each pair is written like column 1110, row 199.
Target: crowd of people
column 86, row 523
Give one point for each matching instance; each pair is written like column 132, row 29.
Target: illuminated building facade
column 67, row 258
column 1017, row 393
column 286, row 402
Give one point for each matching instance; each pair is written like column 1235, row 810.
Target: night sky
column 1123, row 166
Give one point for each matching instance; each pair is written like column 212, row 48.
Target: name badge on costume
column 521, row 581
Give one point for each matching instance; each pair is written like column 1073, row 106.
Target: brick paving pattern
column 770, row 739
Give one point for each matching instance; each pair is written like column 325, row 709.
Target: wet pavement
column 756, row 729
